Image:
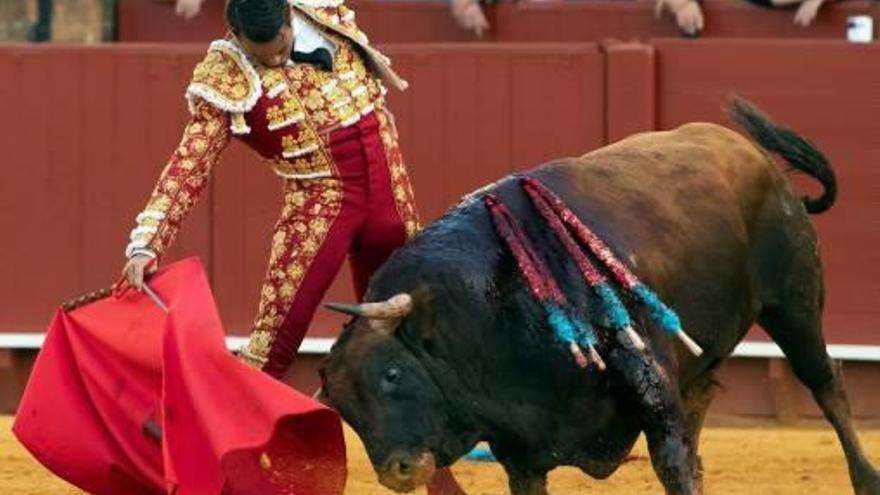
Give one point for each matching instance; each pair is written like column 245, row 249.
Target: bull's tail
column 799, row 152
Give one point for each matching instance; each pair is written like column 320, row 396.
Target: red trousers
column 353, row 213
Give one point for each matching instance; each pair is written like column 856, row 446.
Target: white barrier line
column 846, row 352
column 311, row 345
column 322, row 345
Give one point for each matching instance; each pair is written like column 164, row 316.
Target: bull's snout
column 405, row 472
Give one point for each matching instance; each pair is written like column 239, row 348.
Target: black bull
column 700, row 214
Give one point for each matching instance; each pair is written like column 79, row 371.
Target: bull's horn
column 395, row 307
column 348, row 309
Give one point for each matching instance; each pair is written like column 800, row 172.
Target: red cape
column 126, row 399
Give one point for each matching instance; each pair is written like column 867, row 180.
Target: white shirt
column 308, row 37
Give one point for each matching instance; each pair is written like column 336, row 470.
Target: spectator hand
column 688, row 14
column 807, row 11
column 469, row 15
column 188, row 8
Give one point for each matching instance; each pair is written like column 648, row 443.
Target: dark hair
column 258, row 20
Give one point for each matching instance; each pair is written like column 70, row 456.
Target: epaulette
column 226, row 79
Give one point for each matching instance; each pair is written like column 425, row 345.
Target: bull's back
column 679, row 206
column 696, row 167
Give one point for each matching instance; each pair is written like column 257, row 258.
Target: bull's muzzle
column 404, row 473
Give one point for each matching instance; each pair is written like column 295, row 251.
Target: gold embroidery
column 182, row 180
column 292, row 108
column 275, row 115
column 239, row 124
column 346, row 17
column 295, row 272
column 312, row 207
column 303, row 143
column 286, row 290
column 287, row 113
column 313, row 102
column 273, row 78
column 225, row 78
column 403, row 196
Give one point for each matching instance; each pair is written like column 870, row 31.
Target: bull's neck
column 459, row 395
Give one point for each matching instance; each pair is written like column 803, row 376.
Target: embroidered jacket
column 283, row 113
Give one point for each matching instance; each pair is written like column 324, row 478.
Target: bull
column 453, row 349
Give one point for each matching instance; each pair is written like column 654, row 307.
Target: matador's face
column 272, row 53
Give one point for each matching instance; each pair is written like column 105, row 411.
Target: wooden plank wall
column 86, row 130
column 825, row 90
column 82, row 158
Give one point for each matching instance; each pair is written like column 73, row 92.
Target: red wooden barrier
column 829, row 91
column 405, row 21
column 83, row 134
column 631, row 97
column 86, row 130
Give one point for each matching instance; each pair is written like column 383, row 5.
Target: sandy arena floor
column 739, row 461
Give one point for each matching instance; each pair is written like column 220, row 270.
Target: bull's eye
column 392, row 374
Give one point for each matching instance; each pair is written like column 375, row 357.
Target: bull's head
column 380, row 387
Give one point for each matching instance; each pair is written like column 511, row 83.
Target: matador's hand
column 135, row 269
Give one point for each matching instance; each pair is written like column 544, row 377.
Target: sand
column 738, row 461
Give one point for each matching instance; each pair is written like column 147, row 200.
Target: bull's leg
column 524, row 482
column 697, row 398
column 797, row 330
column 521, row 476
column 662, row 417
